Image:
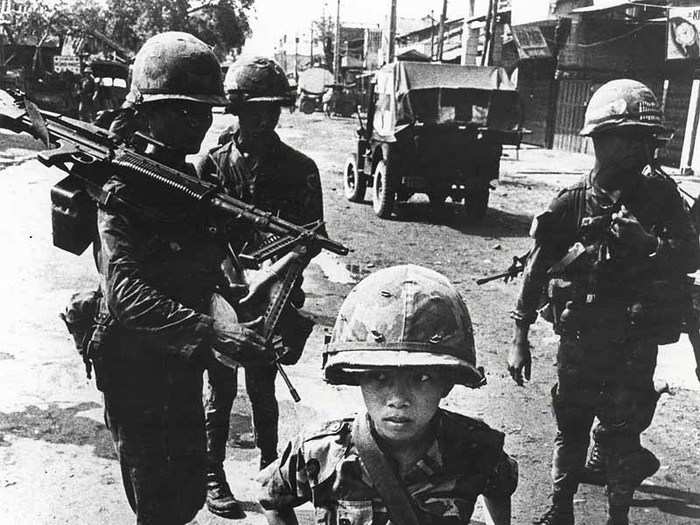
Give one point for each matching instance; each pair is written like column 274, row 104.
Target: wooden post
column 336, row 47
column 392, row 32
column 487, row 34
column 441, row 31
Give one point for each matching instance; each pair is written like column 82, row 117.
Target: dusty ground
column 56, row 461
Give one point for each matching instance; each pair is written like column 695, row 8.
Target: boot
column 560, row 513
column 595, row 470
column 220, row 500
column 617, row 517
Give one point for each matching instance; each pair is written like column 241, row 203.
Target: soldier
column 86, row 96
column 254, row 165
column 404, row 335
column 611, row 252
column 157, row 271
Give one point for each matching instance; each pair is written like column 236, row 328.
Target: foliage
column 223, row 24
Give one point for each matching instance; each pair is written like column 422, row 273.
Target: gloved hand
column 631, row 233
column 236, row 343
column 520, row 361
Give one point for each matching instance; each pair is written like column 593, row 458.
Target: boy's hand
column 520, row 361
column 631, row 233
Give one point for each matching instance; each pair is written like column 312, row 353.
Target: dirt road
column 56, row 461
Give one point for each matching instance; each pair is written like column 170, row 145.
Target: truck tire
column 354, row 184
column 307, row 106
column 383, row 194
column 476, row 203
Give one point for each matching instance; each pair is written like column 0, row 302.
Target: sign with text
column 683, row 33
column 66, row 63
column 531, row 42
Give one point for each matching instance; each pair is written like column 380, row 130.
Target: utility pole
column 487, row 34
column 336, row 50
column 432, row 35
column 311, row 46
column 441, row 31
column 392, row 32
column 492, row 43
column 296, row 56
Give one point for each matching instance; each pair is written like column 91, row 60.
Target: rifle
column 516, row 268
column 90, row 154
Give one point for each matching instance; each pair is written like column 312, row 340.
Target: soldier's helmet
column 176, row 66
column 257, row 79
column 623, row 103
column 403, row 316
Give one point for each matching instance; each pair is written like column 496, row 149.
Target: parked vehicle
column 340, row 100
column 436, row 129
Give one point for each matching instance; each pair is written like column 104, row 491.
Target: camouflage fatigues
column 157, row 271
column 465, row 459
column 604, row 370
column 283, row 182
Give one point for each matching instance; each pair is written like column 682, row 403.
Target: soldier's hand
column 241, row 342
column 627, row 228
column 520, row 361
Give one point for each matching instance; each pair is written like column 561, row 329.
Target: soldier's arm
column 284, row 484
column 137, row 305
column 678, row 247
column 500, row 486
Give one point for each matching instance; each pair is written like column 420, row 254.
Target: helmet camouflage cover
column 257, row 79
column 176, row 66
column 403, row 316
column 623, row 103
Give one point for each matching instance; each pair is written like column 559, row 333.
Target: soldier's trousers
column 222, row 384
column 614, row 382
column 154, row 412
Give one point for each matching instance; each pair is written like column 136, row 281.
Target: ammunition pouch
column 90, row 329
column 655, row 315
column 73, row 216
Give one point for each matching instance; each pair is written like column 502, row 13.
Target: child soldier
column 404, row 336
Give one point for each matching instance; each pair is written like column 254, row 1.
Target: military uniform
column 605, row 363
column 465, row 459
column 157, row 272
column 287, row 183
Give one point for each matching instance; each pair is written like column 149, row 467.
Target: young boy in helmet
column 158, row 269
column 404, row 336
column 254, row 165
column 613, row 251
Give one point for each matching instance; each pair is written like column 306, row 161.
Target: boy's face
column 402, row 401
column 181, row 125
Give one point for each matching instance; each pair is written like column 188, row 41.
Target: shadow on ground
column 670, row 501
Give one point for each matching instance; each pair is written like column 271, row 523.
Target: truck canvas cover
column 410, row 92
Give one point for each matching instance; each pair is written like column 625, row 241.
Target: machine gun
column 516, row 268
column 90, row 155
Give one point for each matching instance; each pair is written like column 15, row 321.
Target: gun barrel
column 490, row 278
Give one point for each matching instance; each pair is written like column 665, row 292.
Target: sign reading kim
column 683, row 33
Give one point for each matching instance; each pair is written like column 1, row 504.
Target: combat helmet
column 176, row 66
column 403, row 316
column 257, row 79
column 623, row 103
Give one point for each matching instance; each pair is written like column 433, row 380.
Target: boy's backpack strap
column 383, row 478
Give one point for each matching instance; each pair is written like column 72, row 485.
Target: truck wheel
column 354, row 184
column 383, row 194
column 476, row 203
column 307, row 106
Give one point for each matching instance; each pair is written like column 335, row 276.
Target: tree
column 223, row 25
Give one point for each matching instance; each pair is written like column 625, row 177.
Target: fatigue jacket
column 157, row 270
column 465, row 459
column 654, row 201
column 283, row 181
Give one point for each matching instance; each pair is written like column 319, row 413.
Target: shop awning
column 605, row 5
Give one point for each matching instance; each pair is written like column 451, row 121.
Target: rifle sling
column 382, row 475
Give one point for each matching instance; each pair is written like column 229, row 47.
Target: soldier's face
column 621, row 156
column 258, row 120
column 402, row 401
column 179, row 124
